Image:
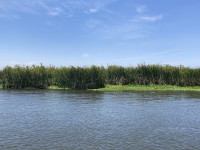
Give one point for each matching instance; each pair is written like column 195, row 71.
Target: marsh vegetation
column 94, row 77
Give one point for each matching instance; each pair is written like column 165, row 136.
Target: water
column 39, row 119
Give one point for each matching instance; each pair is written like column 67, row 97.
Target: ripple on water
column 82, row 120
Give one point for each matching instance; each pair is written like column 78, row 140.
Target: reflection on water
column 39, row 119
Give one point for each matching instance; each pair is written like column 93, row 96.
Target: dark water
column 83, row 120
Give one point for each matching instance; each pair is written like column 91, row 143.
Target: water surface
column 41, row 119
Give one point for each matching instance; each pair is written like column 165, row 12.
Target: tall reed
column 153, row 74
column 20, row 77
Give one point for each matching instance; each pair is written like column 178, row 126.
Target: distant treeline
column 20, row 77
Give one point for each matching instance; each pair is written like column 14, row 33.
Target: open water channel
column 56, row 119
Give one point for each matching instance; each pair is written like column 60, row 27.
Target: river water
column 59, row 120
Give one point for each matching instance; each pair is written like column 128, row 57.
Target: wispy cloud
column 154, row 57
column 92, row 24
column 150, row 18
column 123, row 27
column 125, row 30
column 140, row 9
column 55, row 11
column 93, row 10
column 110, row 24
column 51, row 7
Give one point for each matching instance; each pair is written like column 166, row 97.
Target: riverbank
column 57, row 88
column 121, row 88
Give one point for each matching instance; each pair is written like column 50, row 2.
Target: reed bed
column 40, row 77
column 94, row 77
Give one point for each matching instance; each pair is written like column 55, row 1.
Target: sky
column 99, row 32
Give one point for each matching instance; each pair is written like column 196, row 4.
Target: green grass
column 56, row 88
column 118, row 88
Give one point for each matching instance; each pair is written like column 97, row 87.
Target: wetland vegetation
column 111, row 78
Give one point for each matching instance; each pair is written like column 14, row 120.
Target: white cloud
column 141, row 9
column 124, row 30
column 55, row 11
column 150, row 18
column 92, row 10
column 51, row 7
column 115, row 25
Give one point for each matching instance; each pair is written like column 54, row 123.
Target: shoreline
column 123, row 88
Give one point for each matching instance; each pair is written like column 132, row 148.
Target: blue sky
column 99, row 32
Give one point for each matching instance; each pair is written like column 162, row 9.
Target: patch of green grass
column 118, row 88
column 121, row 88
column 53, row 87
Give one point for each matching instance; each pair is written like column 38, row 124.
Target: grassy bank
column 57, row 88
column 118, row 88
column 121, row 88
